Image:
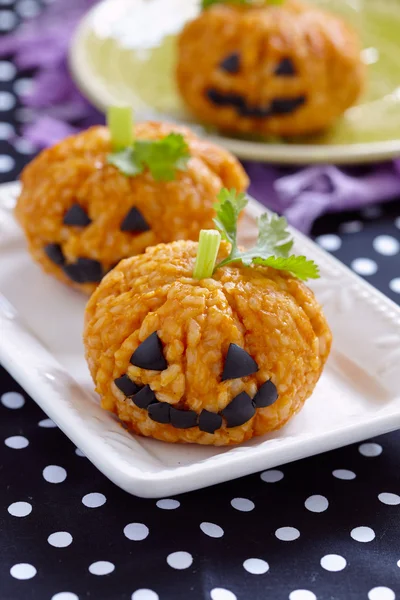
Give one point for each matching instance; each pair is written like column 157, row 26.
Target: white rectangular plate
column 41, row 346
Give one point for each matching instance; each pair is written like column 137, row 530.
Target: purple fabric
column 60, row 110
column 308, row 193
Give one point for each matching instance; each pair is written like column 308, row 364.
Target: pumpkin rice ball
column 286, row 70
column 81, row 215
column 209, row 361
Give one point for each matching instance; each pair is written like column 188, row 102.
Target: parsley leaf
column 274, row 241
column 162, row 157
column 208, row 3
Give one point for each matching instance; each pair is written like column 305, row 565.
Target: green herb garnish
column 209, row 241
column 208, row 3
column 162, row 157
column 274, row 242
column 120, row 124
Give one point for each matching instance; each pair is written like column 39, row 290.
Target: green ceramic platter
column 124, row 51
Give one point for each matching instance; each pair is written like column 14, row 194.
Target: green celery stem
column 207, row 252
column 120, row 124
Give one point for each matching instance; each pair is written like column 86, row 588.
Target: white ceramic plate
column 40, row 344
column 123, row 52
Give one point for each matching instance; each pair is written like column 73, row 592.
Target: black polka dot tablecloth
column 324, row 528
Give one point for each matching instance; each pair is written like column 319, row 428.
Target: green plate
column 124, row 51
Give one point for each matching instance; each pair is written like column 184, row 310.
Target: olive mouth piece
column 276, row 107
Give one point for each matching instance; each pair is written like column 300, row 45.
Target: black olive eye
column 76, row 216
column 134, row 221
column 285, row 68
column 231, row 64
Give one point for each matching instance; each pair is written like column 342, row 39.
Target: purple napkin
column 60, row 110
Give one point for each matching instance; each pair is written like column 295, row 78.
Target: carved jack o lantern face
column 149, row 356
column 285, row 70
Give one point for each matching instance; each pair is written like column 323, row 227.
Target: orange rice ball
column 81, row 215
column 283, row 70
column 215, row 361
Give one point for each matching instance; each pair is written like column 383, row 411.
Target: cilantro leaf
column 274, row 242
column 162, row 157
column 228, row 207
column 208, row 3
column 125, row 162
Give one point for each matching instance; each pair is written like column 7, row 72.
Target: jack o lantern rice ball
column 85, row 204
column 255, row 67
column 207, row 357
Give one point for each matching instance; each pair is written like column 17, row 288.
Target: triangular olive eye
column 231, row 63
column 285, row 68
column 149, row 355
column 76, row 216
column 134, row 221
column 238, row 363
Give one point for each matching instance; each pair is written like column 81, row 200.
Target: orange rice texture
column 76, row 171
column 272, row 315
column 324, row 50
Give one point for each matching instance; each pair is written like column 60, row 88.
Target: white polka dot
column 287, row 534
column 390, row 499
column 65, row 596
column 20, row 509
column 23, row 86
column 395, row 285
column 364, row 266
column 351, row 227
column 333, row 562
column 211, row 529
column 272, row 476
column 242, row 504
column 47, row 423
column 8, row 20
column 28, row 8
column 17, row 442
column 23, row 571
column 398, row 563
column 144, row 594
column 168, row 504
column 60, row 539
column 386, row 245
column 79, row 452
column 7, row 70
column 222, row 594
column 362, row 534
column 316, row 504
column 381, row 593
column 7, row 163
column 136, row 531
column 94, row 500
column 330, row 242
column 6, row 131
column 302, row 595
column 344, row 474
column 7, row 101
column 101, row 567
column 54, row 474
column 12, row 400
column 179, row 560
column 371, row 212
column 371, row 449
column 24, row 146
column 256, row 566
